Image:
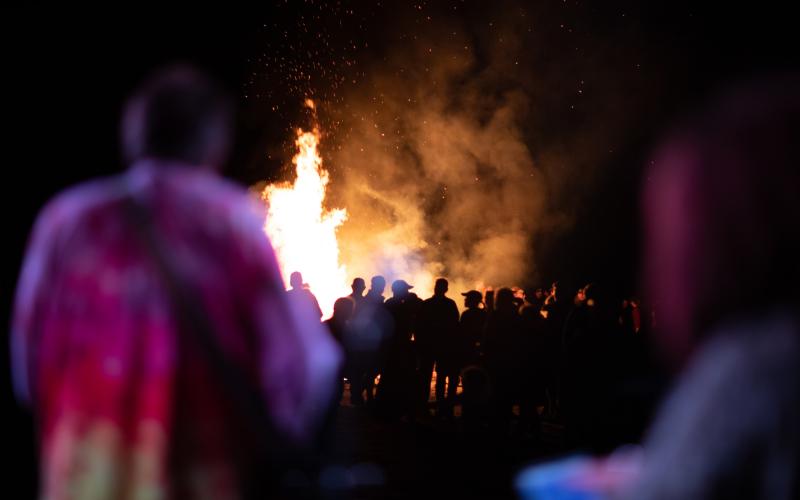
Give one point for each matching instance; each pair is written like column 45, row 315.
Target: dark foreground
column 426, row 457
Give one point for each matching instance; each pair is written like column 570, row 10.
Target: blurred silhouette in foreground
column 152, row 335
column 722, row 225
column 722, row 208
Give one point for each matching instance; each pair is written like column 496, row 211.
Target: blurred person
column 151, row 333
column 722, row 217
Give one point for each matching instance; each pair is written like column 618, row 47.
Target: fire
column 302, row 230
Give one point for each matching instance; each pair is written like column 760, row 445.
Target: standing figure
column 301, row 296
column 437, row 343
column 398, row 375
column 370, row 326
column 152, row 336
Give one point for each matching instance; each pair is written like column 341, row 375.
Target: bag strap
column 276, row 455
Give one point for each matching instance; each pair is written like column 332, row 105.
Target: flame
column 302, row 230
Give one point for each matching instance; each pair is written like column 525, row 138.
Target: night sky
column 605, row 80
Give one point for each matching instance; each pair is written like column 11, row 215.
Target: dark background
column 67, row 73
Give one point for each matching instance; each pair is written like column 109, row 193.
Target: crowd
column 517, row 356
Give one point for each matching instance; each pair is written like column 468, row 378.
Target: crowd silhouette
column 510, row 360
column 163, row 358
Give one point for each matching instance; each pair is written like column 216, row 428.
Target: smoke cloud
column 435, row 172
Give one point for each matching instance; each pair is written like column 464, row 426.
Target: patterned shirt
column 127, row 405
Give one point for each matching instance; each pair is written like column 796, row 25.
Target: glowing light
column 302, row 230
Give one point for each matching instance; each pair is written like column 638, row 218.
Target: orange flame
column 302, row 230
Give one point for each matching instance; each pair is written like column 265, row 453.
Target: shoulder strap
column 276, row 455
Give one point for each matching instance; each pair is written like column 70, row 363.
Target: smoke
column 464, row 139
column 435, row 172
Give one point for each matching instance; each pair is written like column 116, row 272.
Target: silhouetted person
column 504, row 356
column 476, row 393
column 591, row 368
column 339, row 325
column 371, row 325
column 472, row 327
column 397, row 385
column 437, row 342
column 301, row 296
column 721, row 251
column 358, row 286
column 151, row 331
column 339, row 321
column 376, row 289
column 539, row 350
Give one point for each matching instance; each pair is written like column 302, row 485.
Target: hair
column 343, row 308
column 296, row 279
column 178, row 114
column 378, row 282
column 504, row 299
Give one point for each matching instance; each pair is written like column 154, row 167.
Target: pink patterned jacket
column 124, row 407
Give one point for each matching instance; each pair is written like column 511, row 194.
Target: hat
column 473, row 294
column 400, row 285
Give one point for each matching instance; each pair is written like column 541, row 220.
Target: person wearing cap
column 436, row 343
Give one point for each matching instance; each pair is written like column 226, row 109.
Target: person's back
column 300, row 296
column 438, row 323
column 127, row 399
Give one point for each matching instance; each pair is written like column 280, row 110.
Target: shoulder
column 75, row 205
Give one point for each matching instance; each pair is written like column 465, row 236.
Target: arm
column 37, row 266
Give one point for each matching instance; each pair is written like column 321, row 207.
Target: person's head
column 179, row 114
column 358, row 286
column 342, row 309
column 377, row 284
column 721, row 213
column 440, row 287
column 400, row 288
column 538, row 294
column 296, row 280
column 472, row 299
column 504, row 300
